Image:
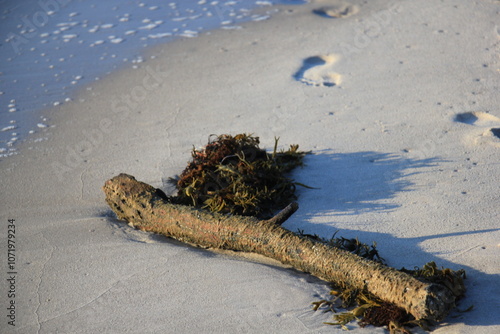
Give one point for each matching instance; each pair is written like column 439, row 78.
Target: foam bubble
column 160, row 35
column 8, row 128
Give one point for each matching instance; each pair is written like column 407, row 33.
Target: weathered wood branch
column 148, row 209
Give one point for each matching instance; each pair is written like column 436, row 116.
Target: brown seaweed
column 231, row 174
column 368, row 309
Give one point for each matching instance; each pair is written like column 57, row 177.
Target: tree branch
column 148, row 209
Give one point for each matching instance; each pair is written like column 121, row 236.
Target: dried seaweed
column 453, row 280
column 367, row 309
column 352, row 245
column 231, row 174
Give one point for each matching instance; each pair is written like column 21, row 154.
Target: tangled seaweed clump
column 231, row 174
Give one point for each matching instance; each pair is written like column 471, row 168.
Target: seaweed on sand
column 231, row 174
column 368, row 309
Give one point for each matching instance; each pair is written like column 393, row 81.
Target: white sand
column 396, row 101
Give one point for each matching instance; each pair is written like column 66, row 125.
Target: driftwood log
column 149, row 209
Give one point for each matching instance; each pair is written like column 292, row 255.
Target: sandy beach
column 398, row 101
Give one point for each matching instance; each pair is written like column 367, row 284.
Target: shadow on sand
column 363, row 182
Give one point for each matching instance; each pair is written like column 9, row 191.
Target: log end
column 437, row 304
column 123, row 193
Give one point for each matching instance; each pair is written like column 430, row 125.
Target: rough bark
column 149, row 209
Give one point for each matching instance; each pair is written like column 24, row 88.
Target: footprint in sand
column 317, row 71
column 490, row 124
column 339, row 10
